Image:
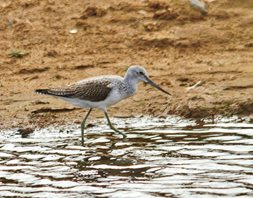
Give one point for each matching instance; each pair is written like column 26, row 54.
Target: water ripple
column 160, row 158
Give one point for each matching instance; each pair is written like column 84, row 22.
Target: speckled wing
column 91, row 90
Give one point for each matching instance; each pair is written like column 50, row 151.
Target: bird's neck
column 131, row 81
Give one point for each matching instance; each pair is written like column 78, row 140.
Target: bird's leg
column 112, row 127
column 83, row 125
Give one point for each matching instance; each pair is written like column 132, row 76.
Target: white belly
column 113, row 98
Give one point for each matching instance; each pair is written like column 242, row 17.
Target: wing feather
column 91, row 90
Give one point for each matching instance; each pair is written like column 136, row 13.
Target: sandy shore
column 204, row 61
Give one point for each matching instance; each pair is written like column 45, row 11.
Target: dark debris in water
column 24, row 132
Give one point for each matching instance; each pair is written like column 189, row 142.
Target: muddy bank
column 205, row 61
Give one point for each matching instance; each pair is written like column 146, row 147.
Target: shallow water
column 164, row 158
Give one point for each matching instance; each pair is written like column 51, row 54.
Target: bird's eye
column 141, row 73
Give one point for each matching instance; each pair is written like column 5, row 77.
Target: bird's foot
column 119, row 132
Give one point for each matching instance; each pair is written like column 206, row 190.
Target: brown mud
column 204, row 61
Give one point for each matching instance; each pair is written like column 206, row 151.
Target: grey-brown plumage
column 92, row 90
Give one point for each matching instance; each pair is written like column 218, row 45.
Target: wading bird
column 101, row 92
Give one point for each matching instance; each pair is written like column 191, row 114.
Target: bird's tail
column 60, row 92
column 46, row 92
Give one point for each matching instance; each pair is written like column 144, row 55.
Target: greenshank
column 101, row 92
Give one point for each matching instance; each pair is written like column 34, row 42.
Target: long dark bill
column 155, row 85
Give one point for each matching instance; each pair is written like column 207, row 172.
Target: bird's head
column 141, row 74
column 138, row 72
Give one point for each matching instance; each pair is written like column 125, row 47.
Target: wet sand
column 204, row 61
